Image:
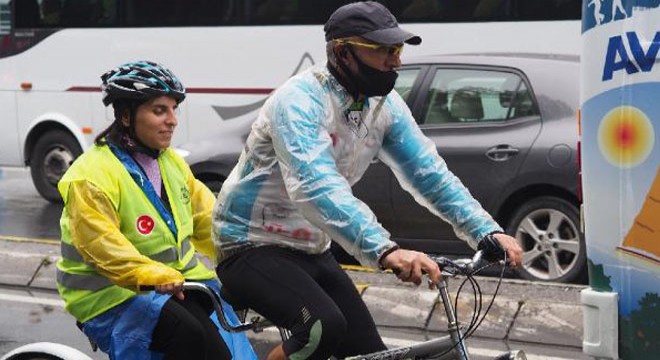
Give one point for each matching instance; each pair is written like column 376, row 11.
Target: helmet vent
column 140, row 86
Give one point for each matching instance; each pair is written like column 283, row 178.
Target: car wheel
column 214, row 185
column 547, row 229
column 51, row 157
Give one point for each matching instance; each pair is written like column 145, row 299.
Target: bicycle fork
column 453, row 326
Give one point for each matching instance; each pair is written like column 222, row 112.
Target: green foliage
column 597, row 278
column 639, row 334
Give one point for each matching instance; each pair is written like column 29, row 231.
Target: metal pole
column 454, row 330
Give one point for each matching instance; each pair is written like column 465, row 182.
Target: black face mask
column 370, row 81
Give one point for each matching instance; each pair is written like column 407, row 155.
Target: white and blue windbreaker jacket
column 292, row 184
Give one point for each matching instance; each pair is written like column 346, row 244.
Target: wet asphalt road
column 23, row 213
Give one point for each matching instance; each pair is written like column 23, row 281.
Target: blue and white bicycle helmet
column 140, row 80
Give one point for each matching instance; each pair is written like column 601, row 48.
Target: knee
column 191, row 334
column 318, row 338
column 332, row 331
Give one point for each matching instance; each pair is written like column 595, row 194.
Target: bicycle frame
column 449, row 346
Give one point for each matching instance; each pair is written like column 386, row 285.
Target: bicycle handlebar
column 256, row 324
column 463, row 266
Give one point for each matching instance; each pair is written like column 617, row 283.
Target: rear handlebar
column 255, row 324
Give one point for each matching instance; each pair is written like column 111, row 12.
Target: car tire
column 51, row 157
column 548, row 230
column 214, row 185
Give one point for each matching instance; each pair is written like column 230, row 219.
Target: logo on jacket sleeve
column 145, row 224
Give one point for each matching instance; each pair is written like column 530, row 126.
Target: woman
column 135, row 216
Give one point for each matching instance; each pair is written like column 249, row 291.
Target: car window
column 466, row 95
column 404, row 83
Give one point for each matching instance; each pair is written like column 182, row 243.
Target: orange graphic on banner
column 643, row 240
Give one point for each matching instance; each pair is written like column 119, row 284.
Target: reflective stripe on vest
column 94, row 282
column 89, row 282
column 70, row 252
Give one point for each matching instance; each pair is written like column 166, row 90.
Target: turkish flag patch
column 145, row 224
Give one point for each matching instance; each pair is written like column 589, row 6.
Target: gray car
column 506, row 126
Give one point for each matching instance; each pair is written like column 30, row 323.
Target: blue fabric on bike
column 237, row 343
column 138, row 317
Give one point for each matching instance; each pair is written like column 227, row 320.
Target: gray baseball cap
column 370, row 20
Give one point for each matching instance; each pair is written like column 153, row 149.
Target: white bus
column 229, row 54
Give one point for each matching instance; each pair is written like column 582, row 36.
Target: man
column 290, row 193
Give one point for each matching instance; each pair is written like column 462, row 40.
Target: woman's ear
column 125, row 118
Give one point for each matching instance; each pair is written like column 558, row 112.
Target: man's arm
column 323, row 196
column 421, row 171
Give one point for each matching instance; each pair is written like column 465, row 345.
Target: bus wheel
column 548, row 231
column 52, row 155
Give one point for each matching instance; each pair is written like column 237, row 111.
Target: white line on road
column 31, row 300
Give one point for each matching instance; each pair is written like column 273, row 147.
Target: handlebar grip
column 491, row 249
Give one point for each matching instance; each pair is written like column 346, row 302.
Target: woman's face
column 155, row 121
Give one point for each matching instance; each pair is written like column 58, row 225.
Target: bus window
column 484, row 10
column 5, row 18
column 33, row 14
column 154, row 13
column 273, row 12
column 27, row 14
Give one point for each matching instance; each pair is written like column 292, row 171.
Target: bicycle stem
column 453, row 326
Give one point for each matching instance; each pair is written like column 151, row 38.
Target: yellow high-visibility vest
column 86, row 293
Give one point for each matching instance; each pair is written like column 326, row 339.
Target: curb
column 538, row 313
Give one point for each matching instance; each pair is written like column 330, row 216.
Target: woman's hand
column 175, row 289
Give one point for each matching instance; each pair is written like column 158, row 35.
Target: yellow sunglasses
column 383, row 49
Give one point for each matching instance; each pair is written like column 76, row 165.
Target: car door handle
column 501, row 152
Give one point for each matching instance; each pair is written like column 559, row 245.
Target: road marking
column 31, row 300
column 31, row 240
column 15, row 169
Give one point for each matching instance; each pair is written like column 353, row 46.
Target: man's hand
column 512, row 248
column 409, row 266
column 175, row 289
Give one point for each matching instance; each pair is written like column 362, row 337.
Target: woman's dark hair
column 118, row 133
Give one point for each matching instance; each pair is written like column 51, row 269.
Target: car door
column 375, row 186
column 483, row 121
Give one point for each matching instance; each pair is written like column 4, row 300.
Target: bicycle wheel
column 34, row 356
column 45, row 351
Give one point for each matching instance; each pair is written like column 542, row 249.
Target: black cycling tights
column 308, row 294
column 185, row 332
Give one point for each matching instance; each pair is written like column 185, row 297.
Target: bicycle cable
column 478, row 302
